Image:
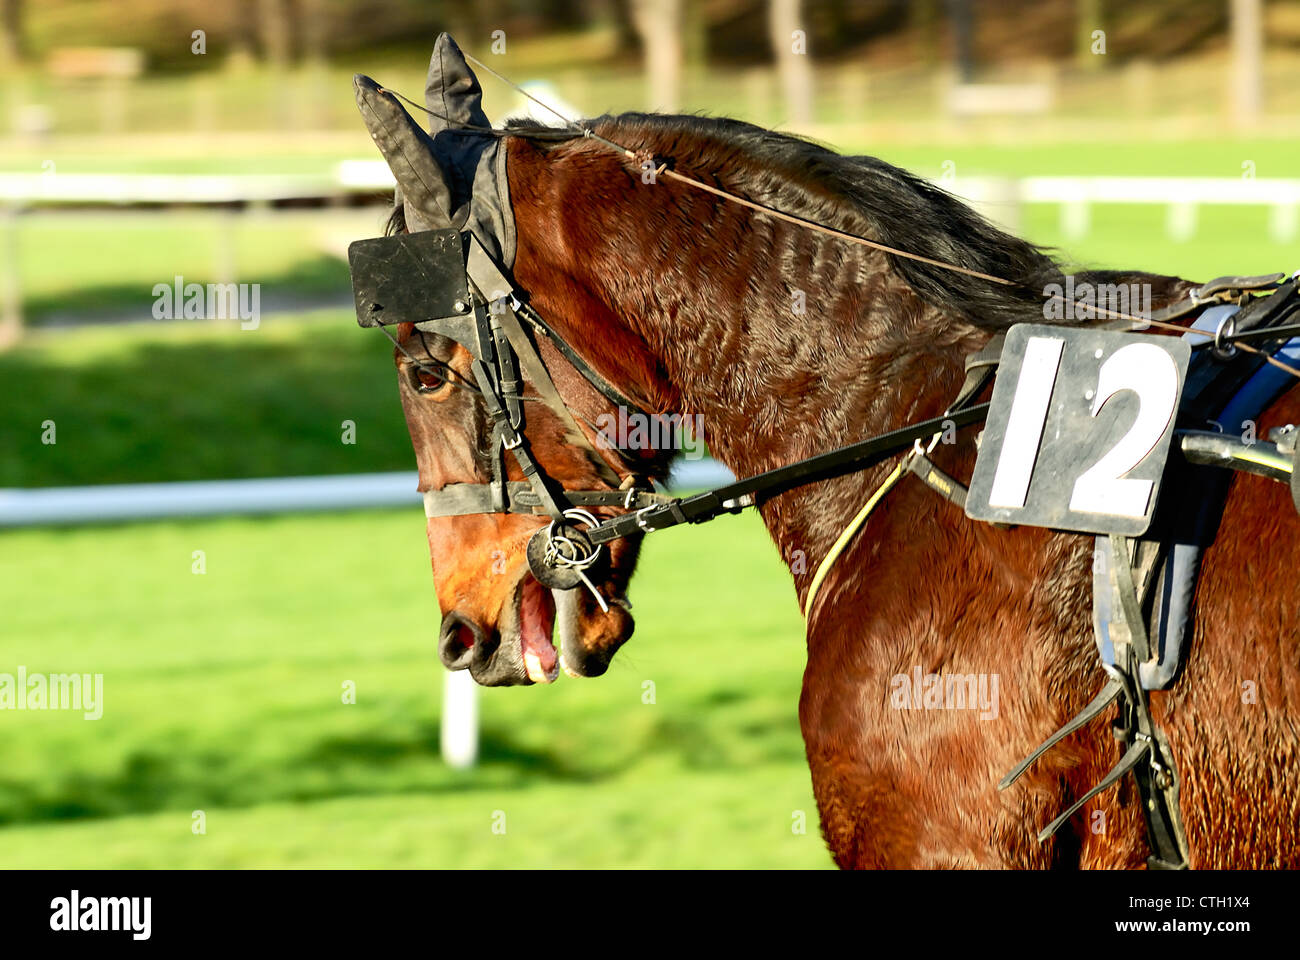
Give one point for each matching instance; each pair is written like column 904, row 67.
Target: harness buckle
column 640, row 518
column 1227, row 328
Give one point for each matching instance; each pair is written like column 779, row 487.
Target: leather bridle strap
column 463, row 499
column 506, row 358
column 535, row 372
column 734, row 497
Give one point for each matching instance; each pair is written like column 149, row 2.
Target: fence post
column 459, row 719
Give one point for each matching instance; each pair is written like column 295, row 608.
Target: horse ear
column 451, row 91
column 409, row 153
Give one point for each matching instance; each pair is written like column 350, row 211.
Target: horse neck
column 784, row 342
column 774, row 377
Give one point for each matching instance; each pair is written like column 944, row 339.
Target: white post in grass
column 459, row 720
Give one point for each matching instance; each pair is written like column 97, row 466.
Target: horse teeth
column 535, row 671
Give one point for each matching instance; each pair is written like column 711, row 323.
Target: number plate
column 1078, row 429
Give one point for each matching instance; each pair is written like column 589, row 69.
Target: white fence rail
column 123, row 502
column 206, row 498
column 1001, row 197
column 364, row 177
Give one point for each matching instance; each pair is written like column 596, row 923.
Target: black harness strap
column 1148, row 756
column 463, row 499
column 937, row 480
column 734, row 497
column 534, row 369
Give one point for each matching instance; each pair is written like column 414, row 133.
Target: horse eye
column 427, row 379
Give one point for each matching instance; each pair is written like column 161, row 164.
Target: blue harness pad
column 1175, row 583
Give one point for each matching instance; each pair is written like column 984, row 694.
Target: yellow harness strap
column 854, row 526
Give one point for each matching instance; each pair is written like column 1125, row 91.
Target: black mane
column 901, row 210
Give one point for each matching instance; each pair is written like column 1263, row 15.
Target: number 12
column 1143, row 368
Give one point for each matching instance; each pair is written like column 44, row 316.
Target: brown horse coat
column 688, row 302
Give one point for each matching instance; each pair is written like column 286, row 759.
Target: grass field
column 201, row 401
column 223, row 693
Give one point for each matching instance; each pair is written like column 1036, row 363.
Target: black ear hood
column 451, row 176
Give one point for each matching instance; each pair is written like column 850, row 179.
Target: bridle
column 436, row 280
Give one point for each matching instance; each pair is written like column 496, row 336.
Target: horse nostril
column 456, row 641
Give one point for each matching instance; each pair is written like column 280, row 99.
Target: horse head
column 497, row 616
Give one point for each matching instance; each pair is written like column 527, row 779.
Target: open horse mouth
column 522, row 650
column 542, row 612
column 536, row 617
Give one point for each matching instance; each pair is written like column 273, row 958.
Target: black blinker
column 409, row 277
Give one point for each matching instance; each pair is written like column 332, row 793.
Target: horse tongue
column 536, row 620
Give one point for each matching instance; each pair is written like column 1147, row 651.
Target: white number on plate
column 1152, row 374
column 1144, row 368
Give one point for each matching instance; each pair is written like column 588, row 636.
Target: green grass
column 99, row 265
column 201, row 401
column 222, row 693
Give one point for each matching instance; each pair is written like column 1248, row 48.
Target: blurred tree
column 11, row 32
column 925, row 30
column 660, row 24
column 1247, row 59
column 313, row 28
column 790, row 44
column 1088, row 18
column 273, row 19
column 963, row 38
column 626, row 38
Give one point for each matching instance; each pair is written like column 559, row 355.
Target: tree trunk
column 11, row 33
column 1247, row 60
column 273, row 31
column 1089, row 17
column 660, row 24
column 789, row 37
column 963, row 38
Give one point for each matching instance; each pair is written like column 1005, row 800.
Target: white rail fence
column 207, row 498
column 352, row 178
column 1000, row 198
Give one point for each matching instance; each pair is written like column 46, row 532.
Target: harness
column 446, row 282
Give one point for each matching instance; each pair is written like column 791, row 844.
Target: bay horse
column 788, row 343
